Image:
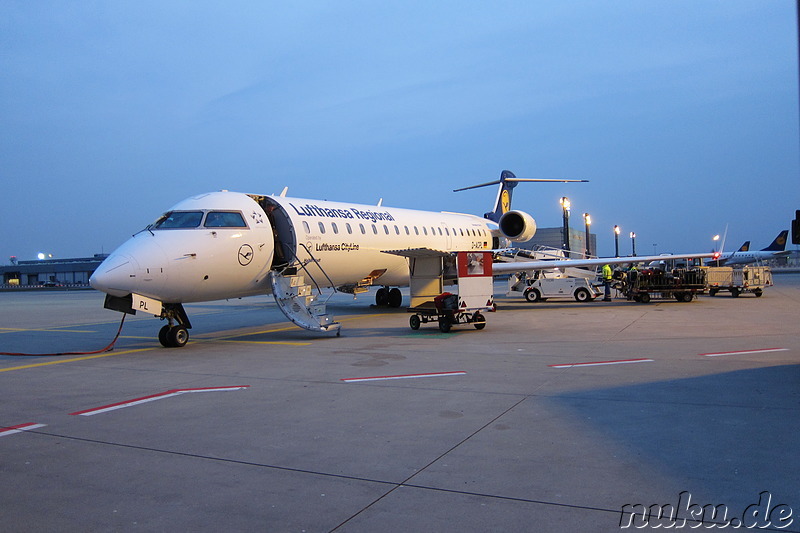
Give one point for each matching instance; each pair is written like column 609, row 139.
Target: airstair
column 296, row 299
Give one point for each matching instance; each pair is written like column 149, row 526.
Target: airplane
column 223, row 245
column 744, row 256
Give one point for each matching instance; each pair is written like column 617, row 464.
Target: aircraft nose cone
column 115, row 276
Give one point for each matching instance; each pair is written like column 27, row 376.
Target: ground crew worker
column 607, row 275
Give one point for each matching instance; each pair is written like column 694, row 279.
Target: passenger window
column 386, row 229
column 322, row 228
column 374, row 229
column 424, row 230
column 363, row 231
column 447, row 231
column 440, row 231
column 335, row 228
column 349, row 229
column 396, row 230
column 407, row 232
column 179, row 219
column 416, row 230
column 305, row 227
column 225, row 219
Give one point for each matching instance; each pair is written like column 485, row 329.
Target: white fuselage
column 222, row 245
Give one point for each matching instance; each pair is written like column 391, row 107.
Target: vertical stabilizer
column 779, row 244
column 507, row 183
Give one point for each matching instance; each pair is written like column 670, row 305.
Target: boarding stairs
column 296, row 299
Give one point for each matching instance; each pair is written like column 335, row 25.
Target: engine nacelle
column 517, row 226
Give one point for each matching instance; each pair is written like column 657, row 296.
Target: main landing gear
column 176, row 333
column 386, row 297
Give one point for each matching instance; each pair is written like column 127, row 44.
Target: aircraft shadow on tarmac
column 727, row 436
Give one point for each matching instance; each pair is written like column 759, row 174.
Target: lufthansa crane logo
column 505, row 201
column 245, row 254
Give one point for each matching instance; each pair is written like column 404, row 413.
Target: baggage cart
column 472, row 295
column 751, row 279
column 681, row 283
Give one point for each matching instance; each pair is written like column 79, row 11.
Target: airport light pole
column 633, row 244
column 616, row 241
column 565, row 205
column 587, row 220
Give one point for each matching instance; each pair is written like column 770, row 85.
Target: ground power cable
column 103, row 350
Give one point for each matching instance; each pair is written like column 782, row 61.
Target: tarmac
column 558, row 416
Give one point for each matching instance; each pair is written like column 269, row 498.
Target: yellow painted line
column 74, row 359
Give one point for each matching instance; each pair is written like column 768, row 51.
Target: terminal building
column 50, row 272
column 554, row 238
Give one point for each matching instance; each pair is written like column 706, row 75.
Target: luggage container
column 471, row 276
column 681, row 283
column 738, row 280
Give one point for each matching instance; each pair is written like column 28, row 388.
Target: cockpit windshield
column 224, row 219
column 179, row 219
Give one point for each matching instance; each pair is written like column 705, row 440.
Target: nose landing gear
column 174, row 335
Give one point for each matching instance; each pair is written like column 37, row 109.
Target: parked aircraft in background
column 225, row 244
column 744, row 256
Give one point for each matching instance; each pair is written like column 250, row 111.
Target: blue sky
column 683, row 114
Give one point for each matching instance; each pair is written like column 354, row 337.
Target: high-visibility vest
column 607, row 272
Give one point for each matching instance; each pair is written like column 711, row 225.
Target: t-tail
column 507, row 182
column 779, row 244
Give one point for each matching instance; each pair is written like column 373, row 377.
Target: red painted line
column 152, row 398
column 741, row 352
column 404, row 376
column 10, row 430
column 601, row 363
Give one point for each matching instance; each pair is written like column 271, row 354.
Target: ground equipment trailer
column 738, row 280
column 540, row 288
column 683, row 284
column 470, row 273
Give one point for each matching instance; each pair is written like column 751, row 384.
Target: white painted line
column 766, row 350
column 602, row 363
column 152, row 398
column 404, row 376
column 4, row 432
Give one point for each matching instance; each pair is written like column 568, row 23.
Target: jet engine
column 517, row 226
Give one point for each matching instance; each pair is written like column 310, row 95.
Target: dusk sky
column 683, row 114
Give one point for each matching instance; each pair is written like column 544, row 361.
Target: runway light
column 40, row 255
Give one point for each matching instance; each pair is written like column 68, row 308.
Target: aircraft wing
column 519, row 266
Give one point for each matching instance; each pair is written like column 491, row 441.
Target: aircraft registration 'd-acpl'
column 225, row 245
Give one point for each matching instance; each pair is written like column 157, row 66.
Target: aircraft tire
column 382, row 297
column 162, row 337
column 394, row 298
column 582, row 295
column 178, row 336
